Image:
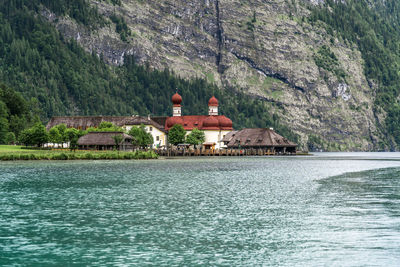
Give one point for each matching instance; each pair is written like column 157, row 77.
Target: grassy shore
column 8, row 153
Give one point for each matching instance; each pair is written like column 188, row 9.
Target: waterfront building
column 104, row 141
column 215, row 126
column 265, row 139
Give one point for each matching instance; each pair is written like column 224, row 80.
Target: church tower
column 176, row 105
column 213, row 106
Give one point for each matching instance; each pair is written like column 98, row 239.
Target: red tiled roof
column 197, row 121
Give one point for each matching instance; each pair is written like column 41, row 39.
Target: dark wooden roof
column 229, row 136
column 160, row 120
column 257, row 137
column 102, row 138
column 84, row 122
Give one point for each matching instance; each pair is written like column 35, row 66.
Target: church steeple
column 176, row 105
column 213, row 106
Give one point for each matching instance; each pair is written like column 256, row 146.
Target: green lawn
column 17, row 153
column 6, row 148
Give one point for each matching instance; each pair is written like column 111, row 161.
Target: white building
column 126, row 122
column 215, row 126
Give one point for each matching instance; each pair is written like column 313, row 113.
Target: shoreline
column 69, row 155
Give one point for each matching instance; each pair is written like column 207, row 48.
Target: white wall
column 213, row 136
column 154, row 132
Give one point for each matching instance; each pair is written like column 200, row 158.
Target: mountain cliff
column 290, row 54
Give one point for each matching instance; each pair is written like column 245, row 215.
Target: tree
column 118, row 140
column 196, row 137
column 55, row 136
column 72, row 136
column 3, row 122
column 37, row 135
column 105, row 125
column 10, row 138
column 25, row 137
column 141, row 138
column 62, row 128
column 176, row 134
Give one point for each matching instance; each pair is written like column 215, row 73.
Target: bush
column 61, row 156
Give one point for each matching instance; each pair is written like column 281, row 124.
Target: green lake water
column 335, row 209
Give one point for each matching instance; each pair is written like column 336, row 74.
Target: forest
column 57, row 77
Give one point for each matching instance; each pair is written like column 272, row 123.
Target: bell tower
column 213, row 106
column 176, row 105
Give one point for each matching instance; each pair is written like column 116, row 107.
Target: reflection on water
column 322, row 210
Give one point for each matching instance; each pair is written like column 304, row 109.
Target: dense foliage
column 375, row 28
column 15, row 114
column 36, row 135
column 196, row 137
column 80, row 10
column 176, row 135
column 141, row 138
column 63, row 79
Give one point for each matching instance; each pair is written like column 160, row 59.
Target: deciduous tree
column 141, row 138
column 176, row 134
column 196, row 137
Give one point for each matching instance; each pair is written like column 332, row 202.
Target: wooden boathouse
column 264, row 139
column 104, row 141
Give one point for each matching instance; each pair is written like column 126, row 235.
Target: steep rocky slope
column 265, row 48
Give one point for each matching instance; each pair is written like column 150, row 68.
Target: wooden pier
column 220, row 152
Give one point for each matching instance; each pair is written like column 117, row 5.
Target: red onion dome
column 171, row 121
column 225, row 122
column 211, row 121
column 213, row 102
column 176, row 99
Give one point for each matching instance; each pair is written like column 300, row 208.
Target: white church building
column 215, row 126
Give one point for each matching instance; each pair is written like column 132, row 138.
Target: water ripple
column 228, row 211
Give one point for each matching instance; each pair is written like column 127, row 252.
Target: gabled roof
column 257, row 137
column 229, row 136
column 160, row 120
column 102, row 138
column 84, row 122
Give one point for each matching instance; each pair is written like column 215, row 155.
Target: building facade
column 125, row 122
column 215, row 126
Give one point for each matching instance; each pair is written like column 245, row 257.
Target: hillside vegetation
column 376, row 32
column 65, row 80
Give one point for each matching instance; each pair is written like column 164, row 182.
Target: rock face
column 265, row 48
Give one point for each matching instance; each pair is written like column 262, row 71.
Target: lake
column 334, row 209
